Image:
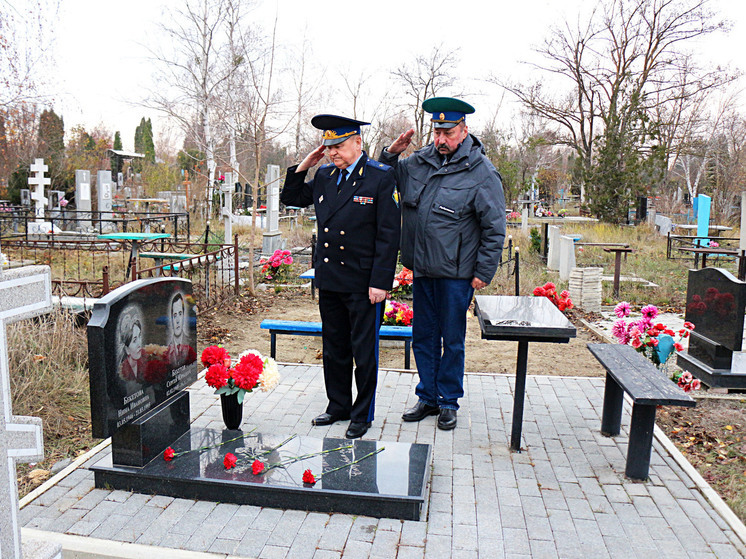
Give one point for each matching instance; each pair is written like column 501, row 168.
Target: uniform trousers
column 349, row 330
column 438, row 334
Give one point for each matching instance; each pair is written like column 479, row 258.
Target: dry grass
column 48, row 363
column 648, row 261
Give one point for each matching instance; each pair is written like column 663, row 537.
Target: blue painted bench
column 301, row 328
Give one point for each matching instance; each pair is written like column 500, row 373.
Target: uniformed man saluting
column 357, row 211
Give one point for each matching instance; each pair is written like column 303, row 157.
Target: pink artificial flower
column 695, row 384
column 649, row 312
column 622, row 309
column 619, row 330
column 636, row 343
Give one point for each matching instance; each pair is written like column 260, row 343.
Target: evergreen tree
column 52, row 144
column 116, row 161
column 144, row 143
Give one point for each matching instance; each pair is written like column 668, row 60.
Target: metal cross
column 24, row 292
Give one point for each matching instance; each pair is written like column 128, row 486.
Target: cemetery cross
column 39, row 181
column 24, row 292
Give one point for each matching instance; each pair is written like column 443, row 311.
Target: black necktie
column 342, row 179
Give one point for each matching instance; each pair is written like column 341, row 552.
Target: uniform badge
column 321, row 198
column 362, row 200
column 395, row 196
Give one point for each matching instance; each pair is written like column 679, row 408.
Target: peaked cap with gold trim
column 447, row 112
column 337, row 128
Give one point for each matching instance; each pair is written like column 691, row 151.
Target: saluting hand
column 401, row 143
column 311, row 159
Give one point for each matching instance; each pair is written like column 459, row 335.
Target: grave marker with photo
column 142, row 342
column 715, row 304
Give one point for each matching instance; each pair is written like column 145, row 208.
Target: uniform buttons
column 326, row 245
column 326, row 229
column 341, row 232
column 342, row 263
column 341, row 248
column 326, row 260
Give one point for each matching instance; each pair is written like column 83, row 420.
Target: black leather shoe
column 447, row 419
column 420, row 412
column 356, row 430
column 327, row 419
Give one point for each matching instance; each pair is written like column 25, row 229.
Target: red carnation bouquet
column 252, row 370
column 549, row 290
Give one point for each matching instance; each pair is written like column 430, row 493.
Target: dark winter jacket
column 453, row 214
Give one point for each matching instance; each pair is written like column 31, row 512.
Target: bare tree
column 616, row 69
column 426, row 77
column 190, row 76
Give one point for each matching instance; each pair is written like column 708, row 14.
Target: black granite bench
column 302, row 328
column 628, row 371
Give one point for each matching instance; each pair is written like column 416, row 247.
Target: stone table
column 522, row 319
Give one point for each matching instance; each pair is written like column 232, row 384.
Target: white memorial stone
column 567, row 257
column 272, row 239
column 83, row 199
column 38, row 182
column 554, row 249
column 24, row 293
column 226, row 210
column 105, row 195
column 663, row 224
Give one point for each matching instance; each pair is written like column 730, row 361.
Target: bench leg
column 272, row 344
column 640, row 441
column 407, row 346
column 611, row 418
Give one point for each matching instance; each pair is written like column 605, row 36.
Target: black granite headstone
column 142, row 341
column 715, row 303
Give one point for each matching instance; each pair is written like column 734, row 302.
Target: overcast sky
column 102, row 69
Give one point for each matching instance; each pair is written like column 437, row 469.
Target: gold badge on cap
column 442, row 116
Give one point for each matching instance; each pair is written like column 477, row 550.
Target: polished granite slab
column 388, row 481
column 503, row 317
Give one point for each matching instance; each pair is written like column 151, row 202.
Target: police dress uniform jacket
column 358, row 229
column 453, row 214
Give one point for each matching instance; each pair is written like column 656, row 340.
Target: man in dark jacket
column 453, row 214
column 357, row 212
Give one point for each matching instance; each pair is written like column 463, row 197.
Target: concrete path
column 565, row 495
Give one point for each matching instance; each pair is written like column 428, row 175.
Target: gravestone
column 703, row 219
column 25, row 197
column 567, row 257
column 272, row 240
column 24, row 293
column 142, row 342
column 642, row 209
column 38, row 181
column 226, row 210
column 554, row 248
column 83, row 199
column 715, row 304
column 663, row 224
column 104, row 192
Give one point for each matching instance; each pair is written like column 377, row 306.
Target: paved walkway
column 564, row 496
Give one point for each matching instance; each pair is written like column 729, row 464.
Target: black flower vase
column 232, row 410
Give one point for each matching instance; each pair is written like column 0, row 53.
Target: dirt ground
column 236, row 326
